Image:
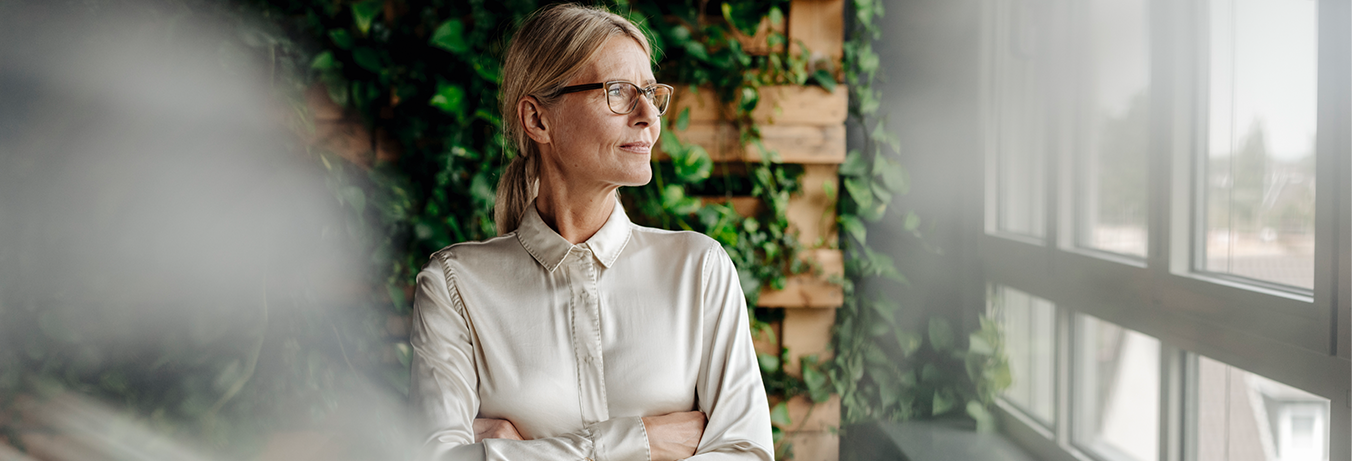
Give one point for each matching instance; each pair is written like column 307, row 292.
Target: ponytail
column 519, row 183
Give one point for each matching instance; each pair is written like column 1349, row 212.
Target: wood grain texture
column 779, row 105
column 820, row 25
column 812, row 212
column 811, row 290
column 806, row 144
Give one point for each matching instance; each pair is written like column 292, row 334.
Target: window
column 1020, row 137
column 1241, row 415
column 1030, row 330
column 1117, row 398
column 1260, row 159
column 1115, row 136
column 1181, row 302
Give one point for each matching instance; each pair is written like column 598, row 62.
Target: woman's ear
column 534, row 119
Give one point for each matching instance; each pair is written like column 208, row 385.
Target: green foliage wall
column 423, row 75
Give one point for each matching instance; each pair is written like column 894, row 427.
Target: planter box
column 811, row 290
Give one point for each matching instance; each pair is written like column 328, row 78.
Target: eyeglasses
column 622, row 96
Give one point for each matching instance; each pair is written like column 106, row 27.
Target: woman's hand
column 495, row 429
column 674, row 436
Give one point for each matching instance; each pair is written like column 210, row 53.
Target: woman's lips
column 638, row 147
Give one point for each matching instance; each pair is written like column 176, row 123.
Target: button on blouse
column 573, row 344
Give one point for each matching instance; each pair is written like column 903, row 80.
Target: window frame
column 1298, row 338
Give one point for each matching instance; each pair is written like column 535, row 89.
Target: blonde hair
column 552, row 46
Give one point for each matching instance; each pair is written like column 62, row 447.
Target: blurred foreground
column 177, row 275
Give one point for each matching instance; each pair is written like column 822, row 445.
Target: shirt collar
column 550, row 249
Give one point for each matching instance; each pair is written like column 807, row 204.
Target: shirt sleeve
column 729, row 385
column 443, row 391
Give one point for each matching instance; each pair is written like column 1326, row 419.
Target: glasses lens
column 661, row 98
column 622, row 96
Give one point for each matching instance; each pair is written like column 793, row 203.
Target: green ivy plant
column 884, row 370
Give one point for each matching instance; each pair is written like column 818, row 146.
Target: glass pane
column 1030, row 333
column 1117, row 385
column 1260, row 165
column 1116, row 128
column 1019, row 136
column 1242, row 416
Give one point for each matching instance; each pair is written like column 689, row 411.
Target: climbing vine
column 884, row 369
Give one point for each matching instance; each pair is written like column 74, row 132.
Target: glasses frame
column 649, row 93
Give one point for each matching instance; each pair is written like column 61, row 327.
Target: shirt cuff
column 620, row 439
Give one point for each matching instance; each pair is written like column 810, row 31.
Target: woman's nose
column 645, row 112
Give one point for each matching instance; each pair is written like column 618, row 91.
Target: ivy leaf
column 750, row 98
column 779, row 415
column 929, row 374
column 978, row 345
column 942, row 403
column 367, row 58
column 481, row 189
column 675, row 201
column 450, row 36
column 911, row 222
column 683, row 121
column 405, row 353
column 985, row 421
column 450, row 98
column 696, row 50
column 363, row 13
column 1002, row 378
column 396, row 294
column 693, row 165
column 940, row 334
column 488, row 69
column 341, row 38
column 355, row 198
column 909, row 342
column 825, row 79
column 855, row 164
column 324, row 61
column 860, row 191
column 817, row 384
column 769, row 363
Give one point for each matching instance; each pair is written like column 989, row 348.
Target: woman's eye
column 616, row 92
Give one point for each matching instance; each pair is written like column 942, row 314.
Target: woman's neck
column 575, row 215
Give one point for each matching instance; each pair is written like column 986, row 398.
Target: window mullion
column 1174, row 430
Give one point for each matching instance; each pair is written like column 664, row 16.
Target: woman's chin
column 639, row 176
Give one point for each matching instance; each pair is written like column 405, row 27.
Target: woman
column 577, row 334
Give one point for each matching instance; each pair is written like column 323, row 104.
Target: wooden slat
column 806, row 332
column 812, row 213
column 759, row 44
column 812, row 446
column 745, row 207
column 807, row 144
column 802, row 105
column 780, row 105
column 821, row 26
column 810, row 290
column 808, row 416
column 766, row 344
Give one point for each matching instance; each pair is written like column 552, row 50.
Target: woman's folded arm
column 729, row 385
column 443, row 391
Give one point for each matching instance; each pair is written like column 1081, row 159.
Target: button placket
column 587, row 335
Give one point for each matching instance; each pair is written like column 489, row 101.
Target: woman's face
column 592, row 144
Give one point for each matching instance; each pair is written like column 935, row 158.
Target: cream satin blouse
column 574, row 343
